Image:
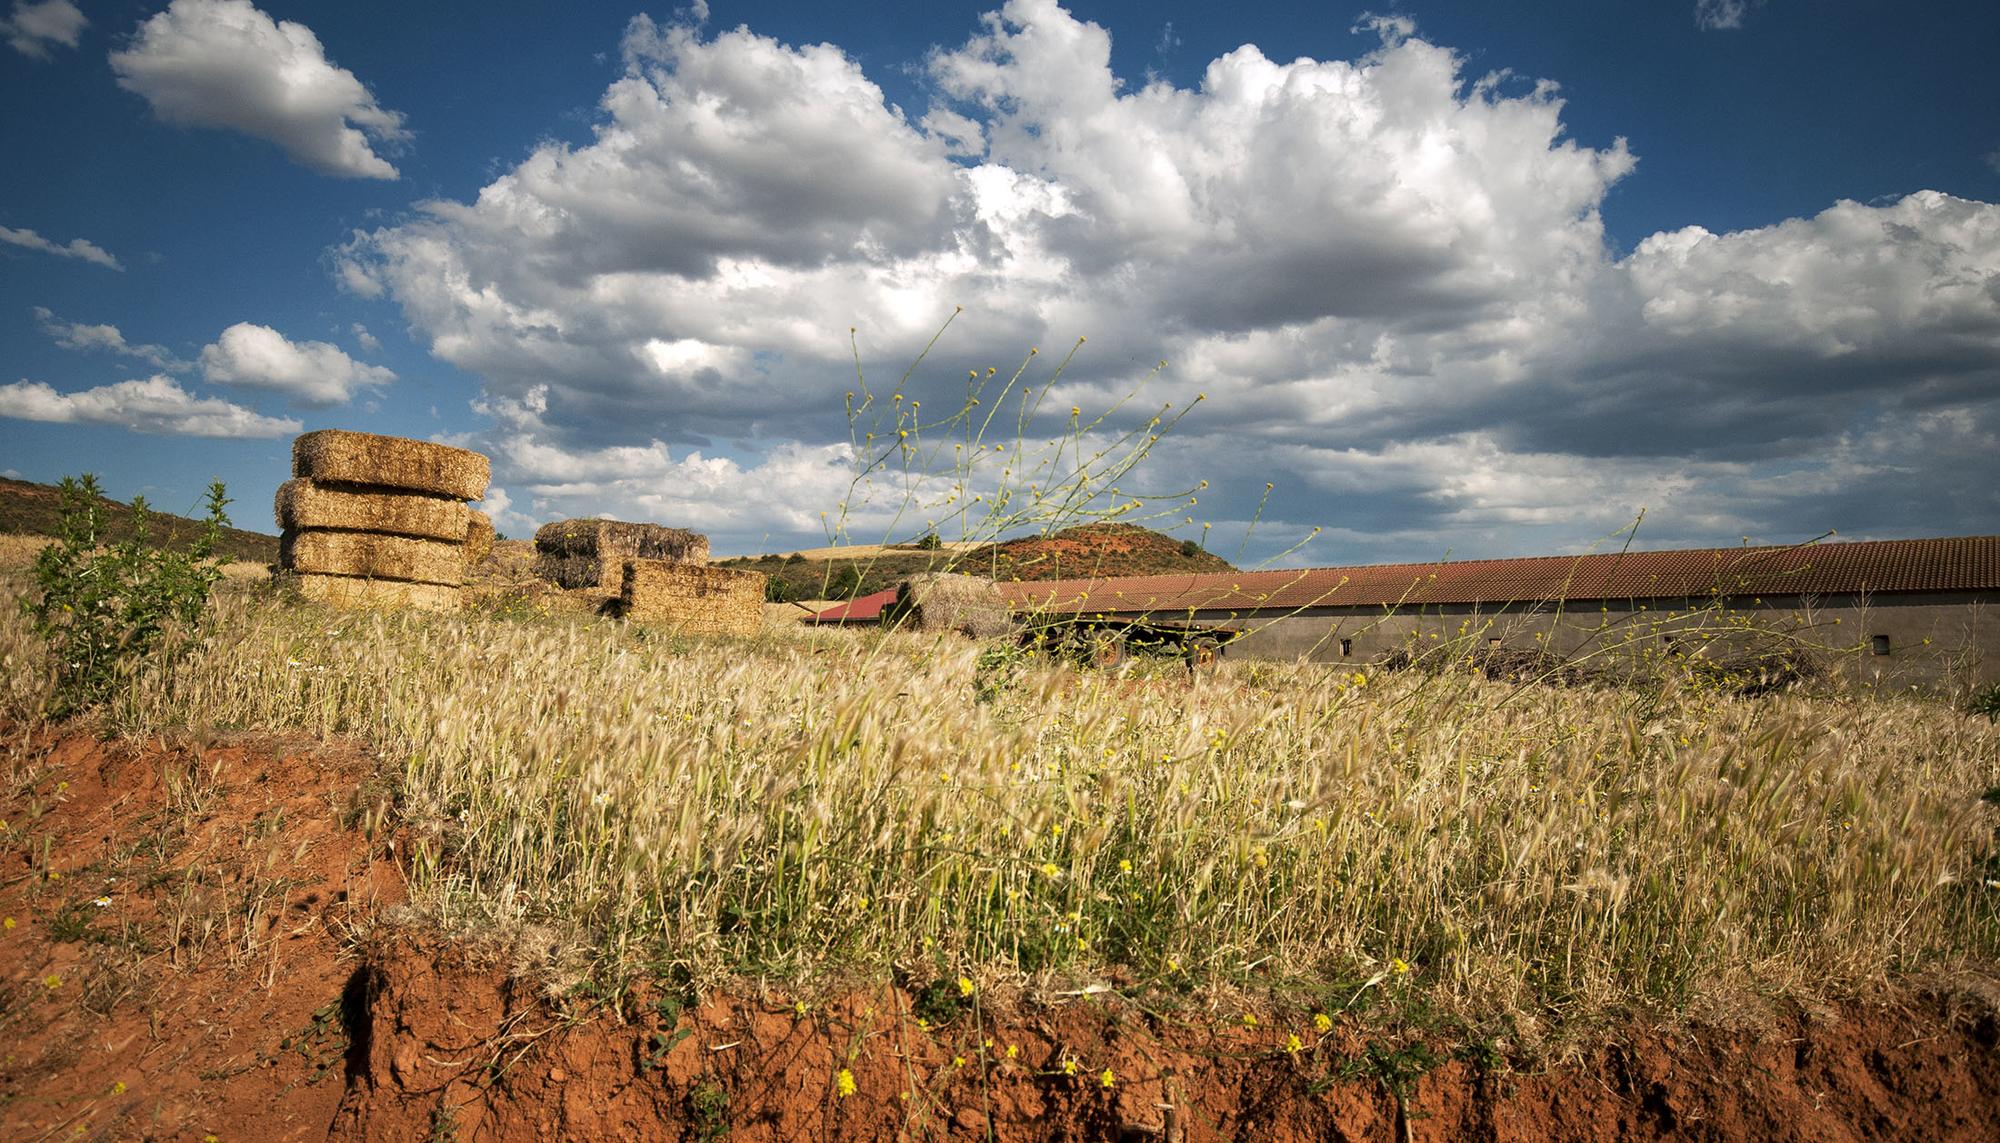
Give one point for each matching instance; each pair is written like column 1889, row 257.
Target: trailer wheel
column 1203, row 653
column 1107, row 650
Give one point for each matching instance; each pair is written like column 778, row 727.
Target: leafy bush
column 778, row 590
column 104, row 608
column 1986, row 702
column 929, row 542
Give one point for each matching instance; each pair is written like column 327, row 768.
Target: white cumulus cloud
column 224, row 63
column 81, row 248
column 155, row 404
column 1384, row 270
column 103, row 338
column 310, row 372
column 35, row 24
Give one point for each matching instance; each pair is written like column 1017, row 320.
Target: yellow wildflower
column 843, row 1084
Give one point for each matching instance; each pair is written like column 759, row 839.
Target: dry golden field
column 816, row 809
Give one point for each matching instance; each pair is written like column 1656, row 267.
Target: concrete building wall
column 1927, row 639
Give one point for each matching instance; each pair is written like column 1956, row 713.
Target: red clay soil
column 267, row 1025
column 173, row 961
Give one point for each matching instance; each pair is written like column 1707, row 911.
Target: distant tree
column 778, row 590
column 795, row 558
column 846, row 583
column 1190, row 549
column 930, row 542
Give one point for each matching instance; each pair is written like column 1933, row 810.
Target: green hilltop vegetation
column 31, row 509
column 1087, row 550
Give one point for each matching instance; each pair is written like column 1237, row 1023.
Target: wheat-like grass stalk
column 813, row 805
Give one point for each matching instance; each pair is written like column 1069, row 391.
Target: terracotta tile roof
column 1964, row 563
column 864, row 609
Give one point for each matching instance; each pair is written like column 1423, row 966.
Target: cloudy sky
column 1446, row 279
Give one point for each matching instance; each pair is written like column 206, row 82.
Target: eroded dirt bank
column 203, row 945
column 452, row 1046
column 178, row 931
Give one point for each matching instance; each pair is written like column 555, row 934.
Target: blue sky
column 1451, row 278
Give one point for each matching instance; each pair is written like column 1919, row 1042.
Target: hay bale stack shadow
column 593, row 553
column 304, row 505
column 337, row 456
column 946, row 601
column 692, row 599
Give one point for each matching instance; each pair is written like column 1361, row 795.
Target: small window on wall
column 1879, row 644
column 1346, row 648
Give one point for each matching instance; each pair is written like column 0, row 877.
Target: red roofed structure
column 1970, row 563
column 1895, row 610
column 1916, row 610
column 864, row 609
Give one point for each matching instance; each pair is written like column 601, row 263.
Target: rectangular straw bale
column 941, row 601
column 337, row 456
column 478, row 535
column 303, row 504
column 590, row 553
column 373, row 557
column 349, row 591
column 693, row 599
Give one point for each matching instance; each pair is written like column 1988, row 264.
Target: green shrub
column 1986, row 702
column 105, row 607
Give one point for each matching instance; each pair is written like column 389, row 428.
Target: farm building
column 1894, row 612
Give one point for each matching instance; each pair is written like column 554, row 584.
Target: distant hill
column 27, row 508
column 1084, row 551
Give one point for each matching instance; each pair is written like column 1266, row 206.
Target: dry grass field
column 510, row 874
column 817, row 809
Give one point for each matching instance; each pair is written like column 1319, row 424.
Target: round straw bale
column 373, row 557
column 337, row 456
column 478, row 535
column 303, row 504
column 349, row 591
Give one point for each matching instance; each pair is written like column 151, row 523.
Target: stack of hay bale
column 660, row 574
column 375, row 521
column 693, row 599
column 580, row 554
column 943, row 601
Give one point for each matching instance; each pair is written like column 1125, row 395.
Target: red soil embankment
column 217, row 992
column 453, row 1044
column 176, row 949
